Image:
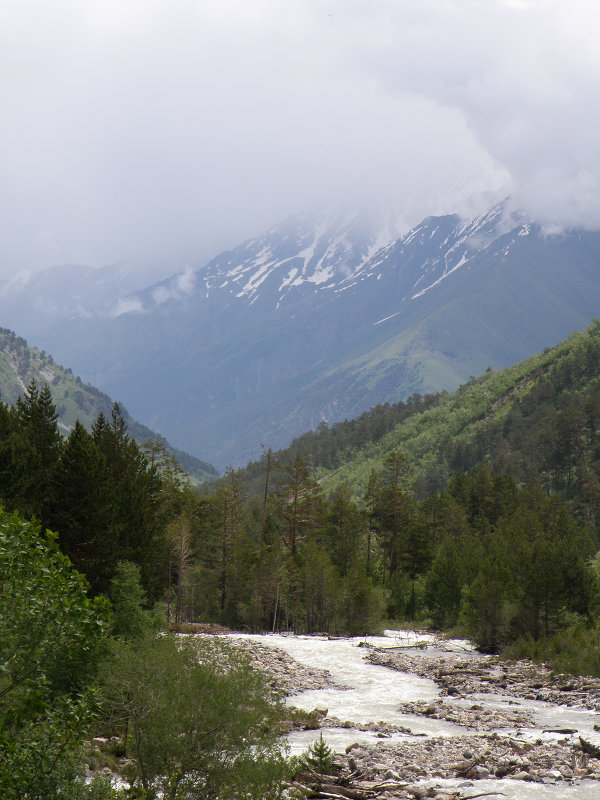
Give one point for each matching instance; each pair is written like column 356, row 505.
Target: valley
column 474, row 512
column 300, row 400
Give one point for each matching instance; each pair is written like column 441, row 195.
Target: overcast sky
column 162, row 131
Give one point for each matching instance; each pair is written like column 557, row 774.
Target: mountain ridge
column 314, row 320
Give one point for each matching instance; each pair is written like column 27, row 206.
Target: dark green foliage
column 29, row 452
column 297, row 503
column 79, row 508
column 50, row 634
column 575, row 649
column 96, row 490
column 130, row 621
column 363, row 603
column 516, row 567
column 133, row 524
column 502, row 561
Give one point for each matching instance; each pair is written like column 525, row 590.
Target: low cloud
column 524, row 77
column 128, row 306
column 163, row 132
column 175, row 288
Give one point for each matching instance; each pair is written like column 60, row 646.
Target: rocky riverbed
column 411, row 716
column 286, row 676
column 458, row 675
column 496, row 744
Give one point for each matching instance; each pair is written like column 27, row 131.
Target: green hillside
column 74, row 400
column 534, row 420
column 477, row 511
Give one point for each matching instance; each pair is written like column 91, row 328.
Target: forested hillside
column 74, row 400
column 537, row 419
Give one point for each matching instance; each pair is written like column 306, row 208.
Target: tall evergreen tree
column 298, row 503
column 391, row 510
column 36, row 444
column 80, row 508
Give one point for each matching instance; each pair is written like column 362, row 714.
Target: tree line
column 502, row 559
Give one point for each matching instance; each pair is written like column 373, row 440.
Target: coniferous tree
column 344, row 530
column 391, row 510
column 135, row 519
column 80, row 508
column 297, row 503
column 36, row 444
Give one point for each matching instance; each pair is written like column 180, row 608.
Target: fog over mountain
column 154, row 135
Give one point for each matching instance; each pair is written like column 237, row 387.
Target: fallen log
column 566, row 731
column 332, row 790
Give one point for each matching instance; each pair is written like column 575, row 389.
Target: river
column 374, row 694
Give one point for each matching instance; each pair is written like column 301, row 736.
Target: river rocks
column 470, row 716
column 407, row 770
column 490, row 756
column 285, row 675
column 459, row 675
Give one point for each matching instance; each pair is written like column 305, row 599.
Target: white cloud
column 186, row 281
column 128, row 306
column 165, row 130
column 181, row 284
column 524, row 76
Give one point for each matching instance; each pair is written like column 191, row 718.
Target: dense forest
column 475, row 512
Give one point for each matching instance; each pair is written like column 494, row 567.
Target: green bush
column 574, row 650
column 196, row 719
column 319, row 756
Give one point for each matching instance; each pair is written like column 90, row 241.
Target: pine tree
column 319, row 756
column 79, row 510
column 391, row 509
column 298, row 503
column 345, row 525
column 36, row 444
column 135, row 516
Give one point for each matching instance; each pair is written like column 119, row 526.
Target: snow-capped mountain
column 324, row 317
column 306, row 253
column 312, row 254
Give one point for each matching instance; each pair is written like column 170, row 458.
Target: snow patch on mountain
column 333, row 253
column 468, row 238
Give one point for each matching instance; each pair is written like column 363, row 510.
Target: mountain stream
column 374, row 713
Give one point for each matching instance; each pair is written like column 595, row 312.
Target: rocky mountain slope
column 322, row 318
